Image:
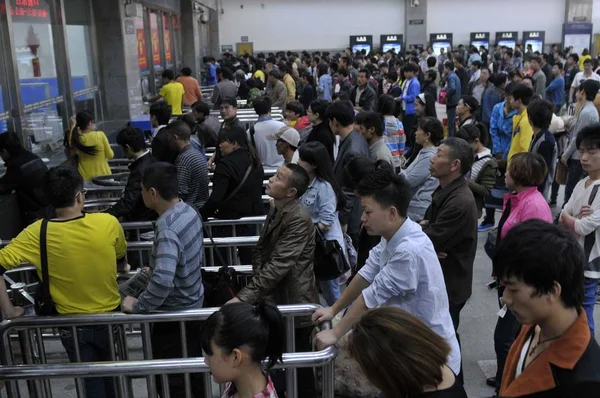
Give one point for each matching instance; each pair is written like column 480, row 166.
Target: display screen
column 479, row 43
column 438, row 45
column 360, row 47
column 507, row 43
column 536, row 45
column 392, row 46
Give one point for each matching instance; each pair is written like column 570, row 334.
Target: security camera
column 414, row 3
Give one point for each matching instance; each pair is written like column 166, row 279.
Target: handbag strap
column 219, row 256
column 44, row 256
column 237, row 189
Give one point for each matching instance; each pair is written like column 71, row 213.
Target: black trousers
column 455, row 310
column 166, row 343
column 506, row 331
column 305, row 376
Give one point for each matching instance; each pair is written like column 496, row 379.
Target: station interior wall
column 317, row 24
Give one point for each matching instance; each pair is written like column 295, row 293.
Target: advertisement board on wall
column 393, row 41
column 507, row 39
column 440, row 40
column 362, row 42
column 479, row 39
column 535, row 39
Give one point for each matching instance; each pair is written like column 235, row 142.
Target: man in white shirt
column 265, row 127
column 581, row 215
column 586, row 74
column 402, row 271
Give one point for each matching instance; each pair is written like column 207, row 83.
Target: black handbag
column 490, row 243
column 330, row 262
column 43, row 304
column 220, row 288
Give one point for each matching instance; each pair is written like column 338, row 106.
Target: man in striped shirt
column 192, row 170
column 175, row 282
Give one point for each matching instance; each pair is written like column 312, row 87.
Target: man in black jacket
column 341, row 121
column 131, row 205
column 451, row 221
column 24, row 174
column 462, row 73
column 362, row 95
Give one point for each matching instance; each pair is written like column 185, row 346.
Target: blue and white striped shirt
column 177, row 256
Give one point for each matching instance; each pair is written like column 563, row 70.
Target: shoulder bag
column 43, row 300
column 330, row 262
column 222, row 287
column 237, row 189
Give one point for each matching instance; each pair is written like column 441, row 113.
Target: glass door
column 41, row 93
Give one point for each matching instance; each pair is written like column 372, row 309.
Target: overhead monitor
column 439, row 41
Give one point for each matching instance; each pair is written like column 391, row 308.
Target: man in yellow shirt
column 289, row 82
column 522, row 130
column 84, row 252
column 172, row 92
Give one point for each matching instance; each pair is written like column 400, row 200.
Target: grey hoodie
column 421, row 182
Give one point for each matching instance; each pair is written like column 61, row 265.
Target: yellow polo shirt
column 82, row 261
column 522, row 135
column 173, row 93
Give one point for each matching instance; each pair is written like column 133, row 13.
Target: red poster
column 168, row 53
column 155, row 47
column 142, row 56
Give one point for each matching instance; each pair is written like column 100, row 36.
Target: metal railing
column 38, row 373
column 101, row 204
column 137, row 228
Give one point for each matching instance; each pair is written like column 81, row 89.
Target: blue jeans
column 93, row 347
column 590, row 288
column 330, row 290
column 451, row 112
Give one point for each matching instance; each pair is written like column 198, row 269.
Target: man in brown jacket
column 276, row 90
column 451, row 221
column 283, row 259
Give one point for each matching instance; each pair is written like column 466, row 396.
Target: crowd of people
column 365, row 165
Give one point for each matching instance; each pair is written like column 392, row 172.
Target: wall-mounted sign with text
column 479, row 39
column 361, row 42
column 440, row 41
column 507, row 39
column 391, row 42
column 534, row 40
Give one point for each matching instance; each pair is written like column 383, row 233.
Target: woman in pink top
column 525, row 172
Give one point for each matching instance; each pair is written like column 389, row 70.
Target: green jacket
column 483, row 184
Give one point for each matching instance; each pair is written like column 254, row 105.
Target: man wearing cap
column 467, row 106
column 288, row 140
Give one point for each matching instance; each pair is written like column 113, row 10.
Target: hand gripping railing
column 30, row 330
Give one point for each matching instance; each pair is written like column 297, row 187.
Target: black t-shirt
column 456, row 391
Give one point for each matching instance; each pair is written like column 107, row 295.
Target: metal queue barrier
column 23, row 283
column 37, row 372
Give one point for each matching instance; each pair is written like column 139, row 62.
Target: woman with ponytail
column 91, row 147
column 236, row 339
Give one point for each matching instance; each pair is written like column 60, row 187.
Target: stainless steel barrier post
column 184, row 354
column 291, row 381
column 147, row 344
column 42, row 355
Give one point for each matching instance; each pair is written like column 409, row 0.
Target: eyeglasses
column 82, row 192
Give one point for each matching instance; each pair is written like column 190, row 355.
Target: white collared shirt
column 405, row 272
